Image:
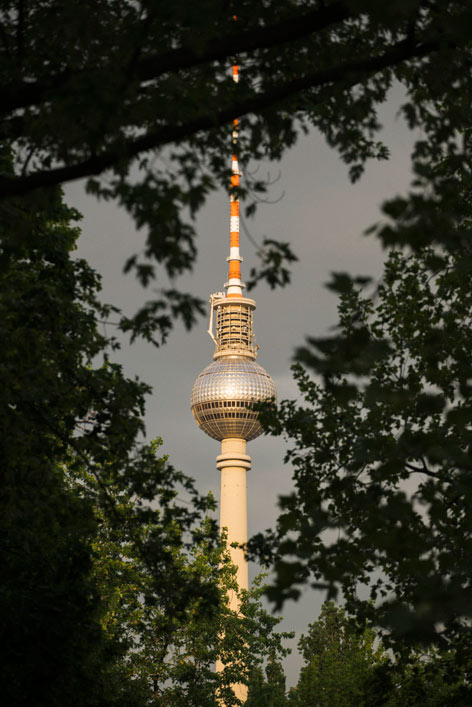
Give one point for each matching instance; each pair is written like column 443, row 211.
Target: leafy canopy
column 380, row 445
column 339, row 661
column 113, row 582
column 137, row 98
column 66, row 409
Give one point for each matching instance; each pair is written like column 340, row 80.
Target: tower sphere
column 221, row 395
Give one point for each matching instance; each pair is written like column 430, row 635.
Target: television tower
column 224, row 392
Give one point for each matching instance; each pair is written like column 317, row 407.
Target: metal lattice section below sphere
column 222, row 393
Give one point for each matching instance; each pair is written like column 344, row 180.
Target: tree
column 124, row 81
column 381, row 451
column 345, row 664
column 64, row 412
column 171, row 657
column 339, row 660
column 267, row 690
column 432, row 678
column 113, row 591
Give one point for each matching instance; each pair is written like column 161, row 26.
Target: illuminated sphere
column 221, row 395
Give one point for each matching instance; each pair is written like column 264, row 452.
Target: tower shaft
column 234, row 463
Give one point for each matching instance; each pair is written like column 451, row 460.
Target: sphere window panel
column 231, row 382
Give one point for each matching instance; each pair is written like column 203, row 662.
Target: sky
column 324, row 217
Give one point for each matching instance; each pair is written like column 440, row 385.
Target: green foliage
column 172, row 651
column 268, row 690
column 345, row 664
column 250, row 640
column 423, row 679
column 137, row 98
column 61, row 412
column 273, row 255
column 56, row 411
column 339, row 661
column 113, row 592
column 382, row 443
column 380, row 448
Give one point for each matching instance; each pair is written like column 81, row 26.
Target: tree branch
column 153, row 66
column 347, row 74
column 427, row 472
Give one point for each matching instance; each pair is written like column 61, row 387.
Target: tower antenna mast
column 234, row 285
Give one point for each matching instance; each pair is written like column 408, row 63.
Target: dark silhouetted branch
column 151, row 67
column 347, row 74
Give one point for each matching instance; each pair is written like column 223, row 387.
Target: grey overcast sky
column 323, row 216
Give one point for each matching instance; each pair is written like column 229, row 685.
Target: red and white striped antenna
column 234, row 286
